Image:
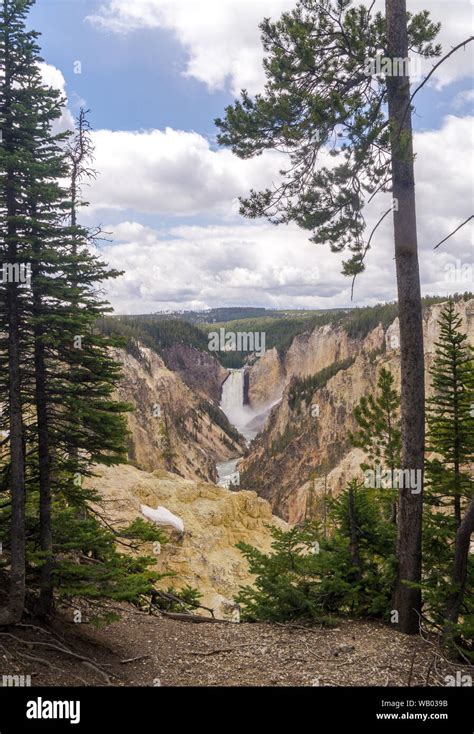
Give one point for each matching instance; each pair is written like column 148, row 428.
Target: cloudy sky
column 155, row 74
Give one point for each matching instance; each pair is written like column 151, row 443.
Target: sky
column 155, row 75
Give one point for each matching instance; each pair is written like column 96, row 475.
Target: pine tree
column 16, row 48
column 378, row 433
column 60, row 414
column 449, row 514
column 449, row 413
column 319, row 94
column 307, row 575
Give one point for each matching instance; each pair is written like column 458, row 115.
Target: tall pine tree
column 449, row 515
column 59, row 415
column 320, row 98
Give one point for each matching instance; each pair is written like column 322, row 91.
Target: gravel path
column 144, row 650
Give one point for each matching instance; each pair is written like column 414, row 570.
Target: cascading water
column 240, row 415
column 232, row 400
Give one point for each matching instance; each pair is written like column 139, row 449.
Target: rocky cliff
column 174, row 426
column 215, row 519
column 304, row 449
column 199, row 370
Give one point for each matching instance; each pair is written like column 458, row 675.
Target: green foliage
column 449, row 410
column 57, row 372
column 307, row 576
column 449, row 482
column 302, row 389
column 378, row 418
column 161, row 332
column 143, row 531
column 88, row 565
column 319, row 95
column 154, row 332
column 287, row 580
column 379, row 435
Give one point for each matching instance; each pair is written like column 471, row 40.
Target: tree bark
column 461, row 556
column 407, row 601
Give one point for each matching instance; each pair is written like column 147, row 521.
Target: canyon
column 196, row 425
column 215, row 423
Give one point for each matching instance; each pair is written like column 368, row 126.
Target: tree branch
column 368, row 246
column 454, row 231
column 436, row 66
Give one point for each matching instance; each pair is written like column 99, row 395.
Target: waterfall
column 232, row 403
column 232, row 400
column 240, row 415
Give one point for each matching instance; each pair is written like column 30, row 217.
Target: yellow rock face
column 215, row 519
column 281, row 474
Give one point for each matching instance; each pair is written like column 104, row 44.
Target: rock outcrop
column 199, row 370
column 305, row 448
column 215, row 519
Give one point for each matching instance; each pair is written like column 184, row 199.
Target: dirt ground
column 143, row 650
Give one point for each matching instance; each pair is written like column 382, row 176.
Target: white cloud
column 463, row 99
column 259, row 264
column 172, row 172
column 222, row 38
column 196, row 267
column 53, row 77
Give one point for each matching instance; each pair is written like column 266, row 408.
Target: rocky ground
column 143, row 650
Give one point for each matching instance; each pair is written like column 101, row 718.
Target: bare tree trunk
column 461, row 556
column 407, row 601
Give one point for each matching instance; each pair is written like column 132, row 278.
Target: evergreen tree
column 319, row 94
column 59, row 416
column 449, row 514
column 378, row 434
column 449, row 414
column 16, row 49
column 307, row 575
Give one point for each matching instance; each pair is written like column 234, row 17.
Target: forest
column 120, row 546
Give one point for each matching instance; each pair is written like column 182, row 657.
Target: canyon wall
column 304, row 450
column 174, row 426
column 200, row 371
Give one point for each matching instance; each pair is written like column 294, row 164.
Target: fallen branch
column 181, row 617
column 83, row 658
column 133, row 660
column 167, row 596
column 218, row 650
column 428, row 672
